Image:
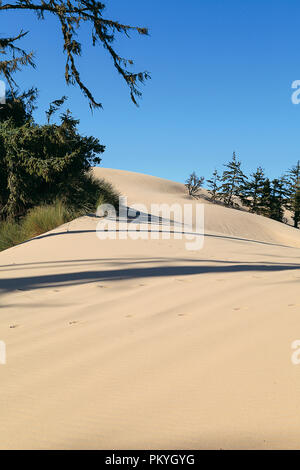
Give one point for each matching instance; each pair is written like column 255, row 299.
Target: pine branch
column 71, row 15
column 19, row 59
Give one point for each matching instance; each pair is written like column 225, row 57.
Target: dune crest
column 147, row 189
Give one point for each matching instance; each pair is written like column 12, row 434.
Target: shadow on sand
column 85, row 277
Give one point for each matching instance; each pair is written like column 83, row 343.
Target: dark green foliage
column 278, row 199
column 83, row 192
column 193, row 184
column 266, row 199
column 106, row 194
column 18, row 108
column 273, row 198
column 294, row 193
column 71, row 15
column 42, row 162
column 214, row 185
column 261, row 195
column 232, row 180
column 252, row 191
column 296, row 208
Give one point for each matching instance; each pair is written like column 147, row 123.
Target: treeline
column 259, row 193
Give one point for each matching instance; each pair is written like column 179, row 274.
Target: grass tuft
column 41, row 219
column 38, row 220
column 10, row 234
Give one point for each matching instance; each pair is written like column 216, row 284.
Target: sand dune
column 130, row 344
column 218, row 219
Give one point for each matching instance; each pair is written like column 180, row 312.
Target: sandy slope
column 143, row 344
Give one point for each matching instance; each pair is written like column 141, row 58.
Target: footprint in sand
column 73, row 322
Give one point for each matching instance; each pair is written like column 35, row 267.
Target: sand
column 142, row 344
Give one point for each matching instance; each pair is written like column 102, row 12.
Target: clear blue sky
column 221, row 81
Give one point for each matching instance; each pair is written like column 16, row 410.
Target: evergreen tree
column 194, row 183
column 252, row 191
column 276, row 200
column 18, row 107
column 265, row 202
column 71, row 15
column 294, row 193
column 39, row 163
column 233, row 179
column 214, row 185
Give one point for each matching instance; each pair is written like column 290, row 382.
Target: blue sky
column 221, row 81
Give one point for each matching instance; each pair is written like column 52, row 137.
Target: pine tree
column 214, row 185
column 71, row 15
column 39, row 163
column 252, row 191
column 265, row 202
column 193, row 184
column 233, row 179
column 277, row 198
column 294, row 193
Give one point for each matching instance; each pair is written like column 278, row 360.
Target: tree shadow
column 132, row 261
column 86, row 277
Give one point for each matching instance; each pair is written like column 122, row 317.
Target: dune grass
column 107, row 195
column 10, row 234
column 38, row 220
column 41, row 219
